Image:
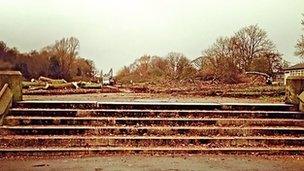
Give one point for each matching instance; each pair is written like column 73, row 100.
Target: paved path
column 146, row 97
column 148, row 163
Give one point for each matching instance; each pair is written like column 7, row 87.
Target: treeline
column 227, row 60
column 59, row 60
column 175, row 66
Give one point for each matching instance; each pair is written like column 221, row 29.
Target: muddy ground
column 158, row 163
column 153, row 97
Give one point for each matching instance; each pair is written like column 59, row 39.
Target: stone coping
column 295, row 78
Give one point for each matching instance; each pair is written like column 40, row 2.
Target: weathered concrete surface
column 294, row 87
column 153, row 163
column 301, row 98
column 5, row 101
column 14, row 80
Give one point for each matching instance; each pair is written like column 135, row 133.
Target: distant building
column 295, row 70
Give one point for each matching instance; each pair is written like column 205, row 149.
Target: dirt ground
column 151, row 97
column 158, row 163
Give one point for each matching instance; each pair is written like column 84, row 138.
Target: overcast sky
column 114, row 33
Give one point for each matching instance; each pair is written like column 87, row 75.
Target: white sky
column 114, row 33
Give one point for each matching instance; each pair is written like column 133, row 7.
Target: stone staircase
column 95, row 128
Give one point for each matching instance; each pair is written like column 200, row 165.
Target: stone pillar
column 301, row 105
column 14, row 81
column 294, row 87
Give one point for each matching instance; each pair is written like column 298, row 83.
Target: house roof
column 295, row 67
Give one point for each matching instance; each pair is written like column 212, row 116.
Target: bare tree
column 159, row 67
column 179, row 66
column 219, row 61
column 252, row 43
column 66, row 50
column 300, row 43
column 247, row 50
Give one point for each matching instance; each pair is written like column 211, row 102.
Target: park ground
column 159, row 163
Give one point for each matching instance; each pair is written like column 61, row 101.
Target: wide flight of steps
column 44, row 127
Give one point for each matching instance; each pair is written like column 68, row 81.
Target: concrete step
column 150, row 150
column 155, row 113
column 148, row 141
column 67, row 137
column 57, row 104
column 149, row 121
column 150, row 130
column 153, row 105
column 70, row 127
column 193, row 106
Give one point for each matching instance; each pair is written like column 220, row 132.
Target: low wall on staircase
column 294, row 91
column 14, row 81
